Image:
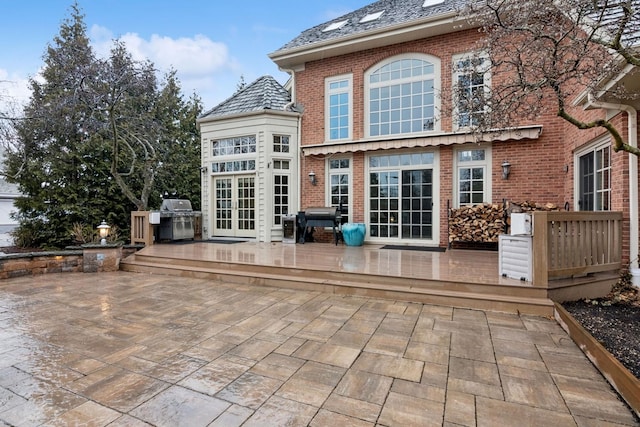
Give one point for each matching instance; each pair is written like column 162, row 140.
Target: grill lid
column 176, row 205
column 327, row 212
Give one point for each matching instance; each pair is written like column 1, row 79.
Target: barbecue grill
column 177, row 220
column 327, row 216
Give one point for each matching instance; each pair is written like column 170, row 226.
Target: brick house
column 379, row 131
column 378, row 136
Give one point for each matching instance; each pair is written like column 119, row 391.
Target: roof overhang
column 414, row 30
column 628, row 78
column 519, row 133
column 208, row 119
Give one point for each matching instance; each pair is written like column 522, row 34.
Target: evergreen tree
column 179, row 147
column 59, row 167
column 95, row 135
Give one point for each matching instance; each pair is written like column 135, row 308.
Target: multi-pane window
column 231, row 146
column 401, row 196
column 233, row 166
column 471, row 87
column 338, row 108
column 594, row 179
column 402, row 96
column 281, row 178
column 472, row 179
column 339, row 185
column 280, row 143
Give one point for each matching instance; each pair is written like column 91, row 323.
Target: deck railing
column 569, row 244
column 141, row 229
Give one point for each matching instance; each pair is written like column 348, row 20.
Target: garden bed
column 608, row 331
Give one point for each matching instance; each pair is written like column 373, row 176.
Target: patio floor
column 145, row 349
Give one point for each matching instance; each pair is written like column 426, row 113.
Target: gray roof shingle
column 396, row 12
column 263, row 94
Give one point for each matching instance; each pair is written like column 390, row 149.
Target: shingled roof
column 395, row 12
column 263, row 94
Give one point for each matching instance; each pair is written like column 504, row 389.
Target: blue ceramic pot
column 353, row 234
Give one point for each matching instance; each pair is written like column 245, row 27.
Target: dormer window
column 428, row 3
column 335, row 26
column 372, row 17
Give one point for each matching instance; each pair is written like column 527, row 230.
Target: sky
column 211, row 43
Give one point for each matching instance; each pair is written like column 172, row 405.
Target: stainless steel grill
column 177, row 220
column 327, row 216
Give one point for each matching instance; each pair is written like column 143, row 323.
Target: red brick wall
column 541, row 169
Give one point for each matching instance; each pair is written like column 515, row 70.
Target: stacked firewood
column 484, row 223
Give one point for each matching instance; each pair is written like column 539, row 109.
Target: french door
column 234, row 211
column 401, row 197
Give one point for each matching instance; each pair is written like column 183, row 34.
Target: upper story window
column 233, row 146
column 280, row 143
column 338, row 108
column 401, row 95
column 471, row 81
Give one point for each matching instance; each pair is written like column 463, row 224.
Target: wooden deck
column 461, row 278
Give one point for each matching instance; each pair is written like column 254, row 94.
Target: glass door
column 401, row 198
column 234, row 206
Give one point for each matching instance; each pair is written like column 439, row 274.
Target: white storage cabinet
column 515, row 257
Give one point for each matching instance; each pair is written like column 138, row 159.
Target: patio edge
column 623, row 381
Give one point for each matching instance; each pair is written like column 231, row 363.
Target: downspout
column 632, row 130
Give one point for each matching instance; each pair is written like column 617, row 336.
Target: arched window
column 401, row 95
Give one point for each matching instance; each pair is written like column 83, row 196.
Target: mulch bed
column 614, row 321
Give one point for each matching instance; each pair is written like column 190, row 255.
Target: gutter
column 632, row 131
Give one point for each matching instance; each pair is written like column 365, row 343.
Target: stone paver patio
column 127, row 349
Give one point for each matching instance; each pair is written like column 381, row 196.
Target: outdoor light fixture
column 312, row 178
column 103, row 230
column 506, row 169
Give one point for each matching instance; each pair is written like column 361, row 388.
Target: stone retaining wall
column 89, row 260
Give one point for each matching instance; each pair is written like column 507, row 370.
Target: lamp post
column 103, row 230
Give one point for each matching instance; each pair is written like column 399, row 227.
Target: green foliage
column 99, row 137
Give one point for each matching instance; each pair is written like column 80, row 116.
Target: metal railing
column 570, row 244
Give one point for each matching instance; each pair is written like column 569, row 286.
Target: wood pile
column 484, row 223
